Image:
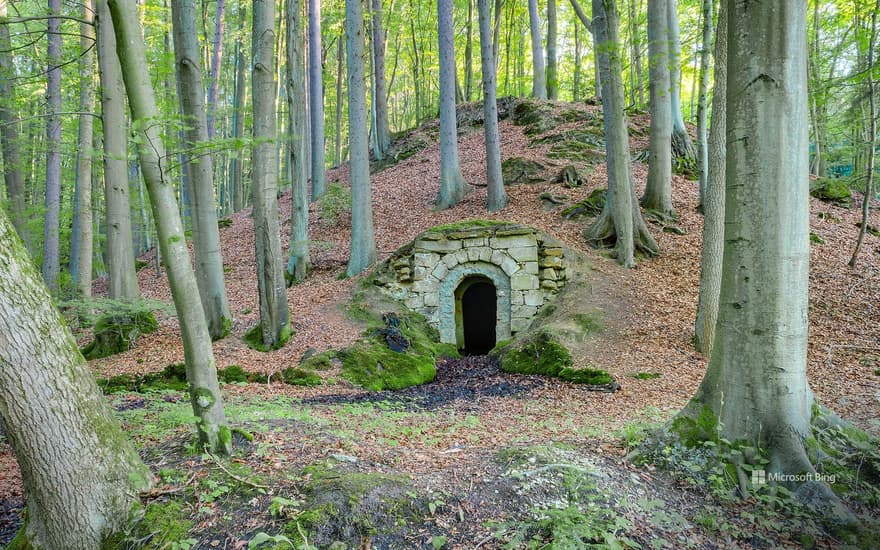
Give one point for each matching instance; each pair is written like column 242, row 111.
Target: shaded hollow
column 476, row 315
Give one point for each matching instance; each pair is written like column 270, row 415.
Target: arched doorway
column 476, row 312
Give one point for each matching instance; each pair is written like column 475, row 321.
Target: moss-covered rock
column 541, row 353
column 373, row 366
column 300, row 377
column 572, row 176
column 254, row 338
column 232, row 374
column 521, row 170
column 589, row 207
column 351, row 507
column 834, row 190
column 117, row 333
column 536, row 116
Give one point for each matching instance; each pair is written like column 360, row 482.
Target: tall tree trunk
column 52, row 220
column 588, row 24
column 621, row 221
column 658, row 191
column 452, row 184
column 239, row 196
column 81, row 474
column 13, row 176
column 636, row 54
column 298, row 264
column 871, row 142
column 468, row 53
column 122, row 277
column 576, row 84
column 756, row 383
column 316, row 99
column 496, row 32
column 552, row 76
column 81, row 249
column 702, row 102
column 200, row 167
column 539, row 80
column 682, row 145
column 274, row 314
column 340, row 67
column 383, row 135
column 216, row 61
column 497, row 198
column 713, row 201
column 363, row 243
column 201, row 370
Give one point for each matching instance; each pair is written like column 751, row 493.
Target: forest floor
column 462, row 438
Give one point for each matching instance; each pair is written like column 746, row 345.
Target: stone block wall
column 526, row 267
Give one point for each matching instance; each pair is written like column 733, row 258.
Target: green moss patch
column 589, row 207
column 254, row 338
column 373, row 366
column 646, row 375
column 833, row 190
column 164, row 525
column 816, row 239
column 542, row 354
column 300, row 377
column 118, row 332
column 521, row 170
column 232, row 374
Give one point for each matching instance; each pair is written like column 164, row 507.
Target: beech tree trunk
column 658, row 191
column 380, row 101
column 636, row 45
column 316, row 100
column 122, row 277
column 200, row 167
column 239, row 196
column 81, row 242
column 216, row 60
column 682, row 145
column 81, row 474
column 363, row 243
column 468, row 53
column 13, row 176
column 756, row 383
column 620, row 222
column 201, row 370
column 274, row 314
column 713, row 201
column 497, row 198
column 299, row 263
column 702, row 102
column 52, row 220
column 452, row 184
column 340, row 67
column 539, row 80
column 552, row 75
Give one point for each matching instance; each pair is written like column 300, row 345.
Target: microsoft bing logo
column 759, row 477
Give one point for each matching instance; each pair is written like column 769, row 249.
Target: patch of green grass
column 816, row 239
column 300, row 377
column 646, row 375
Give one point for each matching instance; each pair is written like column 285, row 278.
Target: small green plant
column 282, row 507
column 277, row 541
column 646, row 375
column 335, row 201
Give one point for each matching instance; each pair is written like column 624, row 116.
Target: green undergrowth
column 398, row 348
column 833, row 190
column 117, row 332
column 254, row 338
column 334, row 203
column 540, row 353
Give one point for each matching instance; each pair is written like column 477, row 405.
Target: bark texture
column 200, row 167
column 703, row 101
column 497, row 198
column 316, row 99
column 236, row 163
column 81, row 474
column 682, row 145
column 363, row 243
column 299, row 263
column 552, row 73
column 122, row 277
column 452, row 185
column 380, row 97
column 713, row 201
column 539, row 80
column 274, row 314
column 201, row 371
column 620, row 222
column 52, row 219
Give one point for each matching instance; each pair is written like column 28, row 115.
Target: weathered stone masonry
column 526, row 267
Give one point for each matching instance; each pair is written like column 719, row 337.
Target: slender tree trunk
column 122, row 277
column 468, row 53
column 713, row 202
column 872, row 136
column 496, row 33
column 539, row 81
column 636, row 45
column 452, row 184
column 274, row 314
column 416, row 66
column 682, row 145
column 588, row 24
column 383, row 135
column 363, row 244
column 239, row 196
column 200, row 167
column 316, row 99
column 621, row 221
column 81, row 474
column 298, row 264
column 9, row 126
column 52, row 220
column 756, row 383
column 216, row 60
column 576, row 84
column 201, row 370
column 81, row 249
column 658, row 191
column 702, row 102
column 497, row 198
column 552, row 76
column 340, row 67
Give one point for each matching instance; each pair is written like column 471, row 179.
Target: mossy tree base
column 117, row 333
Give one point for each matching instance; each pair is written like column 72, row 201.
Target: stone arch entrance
column 457, row 283
column 476, row 314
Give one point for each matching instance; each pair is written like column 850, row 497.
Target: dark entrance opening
column 476, row 297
